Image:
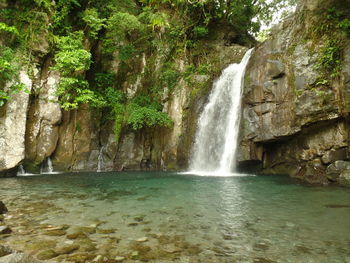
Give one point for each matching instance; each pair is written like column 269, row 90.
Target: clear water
column 185, row 218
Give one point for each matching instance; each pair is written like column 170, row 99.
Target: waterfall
column 218, row 126
column 21, row 170
column 100, row 160
column 47, row 168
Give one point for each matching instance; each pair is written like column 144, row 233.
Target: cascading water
column 47, row 168
column 21, row 170
column 218, row 126
column 100, row 161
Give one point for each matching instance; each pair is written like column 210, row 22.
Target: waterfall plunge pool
column 167, row 217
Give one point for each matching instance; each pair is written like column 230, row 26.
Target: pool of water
column 168, row 217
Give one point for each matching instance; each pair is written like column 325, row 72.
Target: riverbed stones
column 3, row 208
column 56, row 232
column 142, row 239
column 19, row 258
column 119, row 258
column 4, row 250
column 47, row 254
column 5, row 230
column 67, row 249
column 77, row 235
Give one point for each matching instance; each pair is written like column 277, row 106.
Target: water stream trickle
column 21, row 170
column 47, row 167
column 218, row 126
column 100, row 160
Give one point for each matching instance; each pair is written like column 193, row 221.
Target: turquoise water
column 182, row 218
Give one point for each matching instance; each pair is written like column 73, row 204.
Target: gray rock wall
column 291, row 124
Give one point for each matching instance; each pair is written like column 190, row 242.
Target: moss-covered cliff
column 118, row 83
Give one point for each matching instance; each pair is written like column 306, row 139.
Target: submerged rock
column 67, row 249
column 55, row 232
column 4, row 250
column 5, row 230
column 119, row 259
column 47, row 254
column 3, row 208
column 19, row 258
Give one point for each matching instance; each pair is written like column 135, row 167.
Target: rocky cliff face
column 35, row 128
column 295, row 120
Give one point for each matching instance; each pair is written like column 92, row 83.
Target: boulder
column 335, row 169
column 13, row 127
column 344, row 178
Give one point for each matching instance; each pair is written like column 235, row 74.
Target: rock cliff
column 295, row 105
column 295, row 113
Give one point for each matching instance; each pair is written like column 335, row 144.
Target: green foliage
column 119, row 27
column 93, row 22
column 71, row 60
column 126, row 52
column 141, row 112
column 9, row 71
column 344, row 25
column 73, row 91
column 200, row 31
column 170, row 76
column 72, row 57
column 10, row 29
column 330, row 58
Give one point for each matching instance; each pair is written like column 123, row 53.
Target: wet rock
column 334, row 170
column 171, row 248
column 4, row 250
column 56, row 232
column 344, row 178
column 5, row 230
column 139, row 218
column 77, row 235
column 261, row 246
column 105, row 231
column 119, row 259
column 134, row 254
column 47, row 254
column 40, row 245
column 142, row 239
column 67, row 249
column 81, row 257
column 3, row 208
column 52, row 228
column 19, row 258
column 86, row 229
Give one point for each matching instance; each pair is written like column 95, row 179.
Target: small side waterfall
column 100, row 160
column 21, row 170
column 46, row 167
column 218, row 126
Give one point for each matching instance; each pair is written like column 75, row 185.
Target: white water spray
column 47, row 168
column 100, row 160
column 21, row 170
column 218, row 126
